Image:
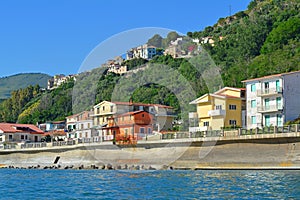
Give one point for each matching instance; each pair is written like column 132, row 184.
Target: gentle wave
column 97, row 184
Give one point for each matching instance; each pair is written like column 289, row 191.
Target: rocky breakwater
column 249, row 152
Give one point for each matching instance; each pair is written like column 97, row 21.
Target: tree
column 280, row 35
column 156, row 41
column 170, row 37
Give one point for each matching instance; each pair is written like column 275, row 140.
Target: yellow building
column 224, row 108
column 163, row 115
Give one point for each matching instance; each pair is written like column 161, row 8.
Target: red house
column 129, row 127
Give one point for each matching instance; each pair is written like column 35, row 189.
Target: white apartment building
column 272, row 100
column 80, row 125
column 143, row 51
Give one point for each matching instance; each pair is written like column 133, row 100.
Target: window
column 81, row 126
column 253, row 119
column 267, row 104
column 142, row 130
column 232, row 107
column 111, row 108
column 218, row 107
column 149, row 131
column 103, row 108
column 232, row 122
column 10, row 137
column 98, row 110
column 253, row 87
column 26, row 137
column 267, row 85
column 253, row 103
column 277, row 85
column 22, row 137
column 143, row 115
column 126, row 132
column 205, row 123
column 279, row 120
column 80, row 135
column 86, row 134
column 89, row 125
column 267, row 120
column 278, row 103
column 151, row 109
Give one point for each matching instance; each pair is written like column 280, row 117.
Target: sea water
column 100, row 184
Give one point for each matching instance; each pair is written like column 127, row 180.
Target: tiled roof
column 141, row 104
column 131, row 113
column 225, row 95
column 12, row 128
column 270, row 76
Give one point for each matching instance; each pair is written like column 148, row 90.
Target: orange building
column 131, row 126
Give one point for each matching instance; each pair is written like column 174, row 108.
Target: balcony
column 269, row 91
column 218, row 112
column 271, row 108
column 198, row 129
column 193, row 115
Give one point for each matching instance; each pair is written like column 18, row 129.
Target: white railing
column 270, row 108
column 193, row 115
column 269, row 91
column 217, row 112
column 198, row 129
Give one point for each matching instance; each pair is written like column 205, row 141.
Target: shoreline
column 273, row 152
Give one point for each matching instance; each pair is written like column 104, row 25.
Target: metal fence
column 181, row 135
column 34, row 145
column 294, row 128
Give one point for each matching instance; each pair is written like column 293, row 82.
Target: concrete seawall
column 218, row 153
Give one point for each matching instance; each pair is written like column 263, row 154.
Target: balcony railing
column 193, row 115
column 217, row 112
column 198, row 129
column 269, row 91
column 271, row 108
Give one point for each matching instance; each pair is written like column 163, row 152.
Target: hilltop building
column 273, row 100
column 58, row 80
column 224, row 108
column 115, row 65
column 144, row 51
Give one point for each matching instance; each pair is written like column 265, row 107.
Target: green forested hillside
column 263, row 40
column 11, row 83
column 260, row 41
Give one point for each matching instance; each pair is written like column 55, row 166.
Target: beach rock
column 109, row 167
column 151, row 168
column 137, row 167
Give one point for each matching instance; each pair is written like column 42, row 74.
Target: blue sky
column 55, row 36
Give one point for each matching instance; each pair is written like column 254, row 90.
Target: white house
column 80, row 125
column 144, row 51
column 17, row 133
column 273, row 100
